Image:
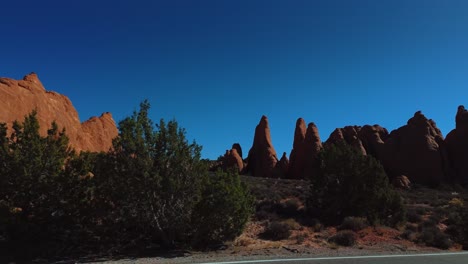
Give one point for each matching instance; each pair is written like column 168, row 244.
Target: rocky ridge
column 18, row 98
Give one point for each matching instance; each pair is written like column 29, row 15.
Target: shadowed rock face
column 457, row 147
column 262, row 158
column 296, row 159
column 373, row 139
column 237, row 147
column 282, row 166
column 18, row 98
column 349, row 135
column 416, row 150
column 306, row 146
column 312, row 147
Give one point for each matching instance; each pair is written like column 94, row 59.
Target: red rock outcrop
column 312, row 147
column 373, row 139
column 282, row 166
column 262, row 158
column 416, row 150
column 232, row 159
column 237, row 147
column 296, row 158
column 349, row 135
column 457, row 147
column 18, row 98
column 306, row 146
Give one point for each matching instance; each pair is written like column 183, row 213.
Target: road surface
column 434, row 258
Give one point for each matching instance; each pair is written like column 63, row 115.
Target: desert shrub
column 276, row 231
column 428, row 224
column 314, row 223
column 152, row 187
column 292, row 224
column 353, row 223
column 223, row 211
column 411, row 227
column 289, row 208
column 345, row 238
column 410, row 235
column 456, row 203
column 266, row 209
column 40, row 202
column 413, row 217
column 457, row 222
column 351, row 184
column 436, row 238
column 162, row 188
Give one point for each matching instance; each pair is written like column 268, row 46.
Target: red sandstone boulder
column 262, row 158
column 18, row 98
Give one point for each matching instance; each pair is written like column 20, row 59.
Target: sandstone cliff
column 19, row 97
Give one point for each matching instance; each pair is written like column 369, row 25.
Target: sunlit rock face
column 18, row 98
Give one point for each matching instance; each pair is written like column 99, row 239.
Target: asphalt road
column 436, row 258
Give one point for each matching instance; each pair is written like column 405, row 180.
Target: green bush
column 152, row 187
column 436, row 238
column 344, row 238
column 289, row 208
column 223, row 211
column 353, row 223
column 413, row 217
column 351, row 184
column 276, row 231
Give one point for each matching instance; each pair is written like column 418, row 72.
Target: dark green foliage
column 434, row 237
column 156, row 178
column 351, row 184
column 152, row 188
column 353, row 223
column 276, row 230
column 33, row 194
column 344, row 238
column 457, row 222
column 289, row 208
column 223, row 210
column 413, row 216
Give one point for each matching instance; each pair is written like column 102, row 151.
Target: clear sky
column 218, row 66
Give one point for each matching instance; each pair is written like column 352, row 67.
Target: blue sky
column 218, row 66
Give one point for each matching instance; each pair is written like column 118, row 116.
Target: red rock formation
column 262, row 158
column 373, row 139
column 296, row 163
column 312, row 147
column 18, row 98
column 232, row 159
column 417, row 151
column 457, row 147
column 282, row 166
column 349, row 135
column 237, row 147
